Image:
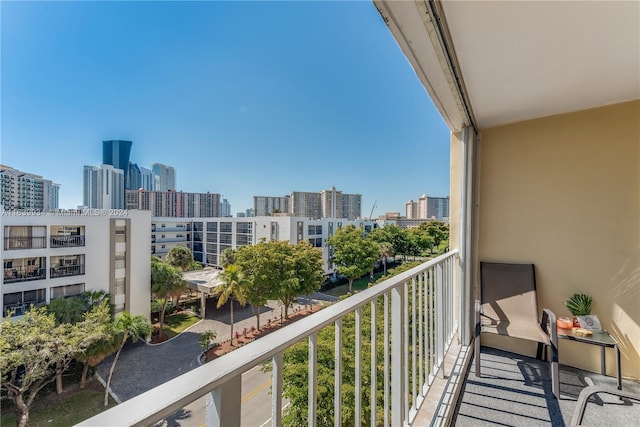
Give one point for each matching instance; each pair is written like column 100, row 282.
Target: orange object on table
column 564, row 322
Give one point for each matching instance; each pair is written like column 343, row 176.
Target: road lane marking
column 256, row 391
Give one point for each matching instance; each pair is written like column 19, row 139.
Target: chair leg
column 477, row 353
column 555, row 372
column 541, row 354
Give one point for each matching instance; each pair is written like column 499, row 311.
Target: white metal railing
column 418, row 326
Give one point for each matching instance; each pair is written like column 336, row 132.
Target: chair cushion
column 526, row 331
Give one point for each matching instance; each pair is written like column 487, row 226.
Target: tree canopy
column 180, row 257
column 354, row 254
column 33, row 347
column 233, row 286
column 279, row 270
column 166, row 282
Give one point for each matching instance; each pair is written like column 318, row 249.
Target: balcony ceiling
column 521, row 60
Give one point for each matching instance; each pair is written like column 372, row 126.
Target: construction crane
column 374, row 206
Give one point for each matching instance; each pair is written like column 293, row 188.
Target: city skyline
column 242, row 99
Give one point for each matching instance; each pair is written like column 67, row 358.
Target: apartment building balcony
column 66, row 270
column 66, row 241
column 169, row 239
column 24, row 242
column 24, row 274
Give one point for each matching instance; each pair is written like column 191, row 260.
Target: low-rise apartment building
column 209, row 237
column 48, row 256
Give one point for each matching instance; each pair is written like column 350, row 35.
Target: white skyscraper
column 103, row 187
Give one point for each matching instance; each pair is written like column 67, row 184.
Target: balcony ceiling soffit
column 526, row 59
column 522, row 60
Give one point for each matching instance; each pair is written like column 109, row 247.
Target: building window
column 198, row 226
column 67, row 291
column 243, row 239
column 243, row 228
column 212, row 248
column 212, row 259
column 121, row 260
column 212, row 237
column 212, row 226
column 66, row 265
column 20, row 302
column 225, row 227
column 274, row 230
column 25, row 237
column 315, row 230
column 300, row 231
column 120, row 288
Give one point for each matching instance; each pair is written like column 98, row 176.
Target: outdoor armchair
column 508, row 306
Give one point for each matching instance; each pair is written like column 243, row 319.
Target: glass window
column 212, row 226
column 225, row 227
column 67, row 291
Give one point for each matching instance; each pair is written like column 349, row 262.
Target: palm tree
column 232, row 287
column 126, row 326
column 166, row 282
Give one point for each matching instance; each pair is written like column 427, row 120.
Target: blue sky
column 242, row 98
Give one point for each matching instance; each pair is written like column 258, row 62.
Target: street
column 256, row 404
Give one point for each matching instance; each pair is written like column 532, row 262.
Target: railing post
column 313, row 390
column 397, row 358
column 440, row 320
column 224, row 404
column 337, row 391
column 276, row 391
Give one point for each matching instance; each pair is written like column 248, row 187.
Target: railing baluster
column 397, row 358
column 420, row 300
column 276, row 391
column 387, row 344
column 374, row 368
column 337, row 390
column 405, row 350
column 439, row 322
column 414, row 346
column 223, row 404
column 313, row 380
column 358, row 373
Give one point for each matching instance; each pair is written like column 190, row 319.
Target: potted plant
column 579, row 305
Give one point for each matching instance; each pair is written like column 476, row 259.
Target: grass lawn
column 358, row 285
column 177, row 323
column 71, row 407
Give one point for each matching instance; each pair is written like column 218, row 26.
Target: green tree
column 437, row 230
column 206, row 340
column 124, row 327
column 33, row 347
column 227, row 257
column 232, row 287
column 180, row 257
column 353, row 253
column 385, row 245
column 166, row 282
column 261, row 266
column 279, row 270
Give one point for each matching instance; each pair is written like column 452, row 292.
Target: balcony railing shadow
column 516, row 390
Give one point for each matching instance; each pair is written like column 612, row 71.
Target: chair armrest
column 587, row 392
column 549, row 325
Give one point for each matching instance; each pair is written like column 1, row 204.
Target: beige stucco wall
column 563, row 192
